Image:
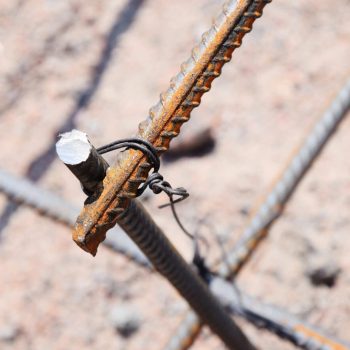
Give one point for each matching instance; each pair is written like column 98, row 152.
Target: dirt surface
column 98, row 66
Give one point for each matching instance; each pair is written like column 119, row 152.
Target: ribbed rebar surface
column 166, row 118
column 272, row 206
column 167, row 261
column 49, row 204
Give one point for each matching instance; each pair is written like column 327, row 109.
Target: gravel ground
column 98, row 66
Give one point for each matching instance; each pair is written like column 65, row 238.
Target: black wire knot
column 157, row 184
column 155, row 181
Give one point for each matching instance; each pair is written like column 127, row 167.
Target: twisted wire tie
column 155, row 181
column 157, row 184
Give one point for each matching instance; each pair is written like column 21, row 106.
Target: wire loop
column 157, row 184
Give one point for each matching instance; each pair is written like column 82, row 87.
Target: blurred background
column 98, row 66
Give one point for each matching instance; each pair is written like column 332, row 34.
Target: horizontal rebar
column 272, row 207
column 168, row 262
column 55, row 207
column 274, row 319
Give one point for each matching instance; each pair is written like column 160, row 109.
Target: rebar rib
column 272, row 207
column 274, row 319
column 166, row 118
column 168, row 262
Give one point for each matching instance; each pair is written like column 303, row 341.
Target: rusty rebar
column 272, row 207
column 152, row 241
column 165, row 119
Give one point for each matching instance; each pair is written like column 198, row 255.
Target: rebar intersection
column 166, row 118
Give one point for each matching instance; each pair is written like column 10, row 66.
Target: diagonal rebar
column 272, row 207
column 115, row 203
column 168, row 262
column 275, row 320
column 274, row 204
column 40, row 165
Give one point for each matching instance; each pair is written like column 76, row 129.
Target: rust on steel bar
column 82, row 159
column 115, row 203
column 271, row 208
column 165, row 119
column 75, row 150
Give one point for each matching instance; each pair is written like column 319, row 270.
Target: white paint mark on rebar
column 73, row 147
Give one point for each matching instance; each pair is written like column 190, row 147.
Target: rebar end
column 89, row 243
column 73, row 147
column 83, row 160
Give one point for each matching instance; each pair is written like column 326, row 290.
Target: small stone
column 324, row 275
column 9, row 333
column 125, row 319
column 244, row 211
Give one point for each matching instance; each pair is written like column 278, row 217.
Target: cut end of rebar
column 88, row 246
column 89, row 241
column 73, row 147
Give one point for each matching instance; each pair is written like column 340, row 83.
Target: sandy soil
column 54, row 59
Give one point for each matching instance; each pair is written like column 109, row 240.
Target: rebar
column 274, row 319
column 82, row 159
column 272, row 207
column 168, row 262
column 122, row 181
column 131, row 169
column 76, row 150
column 165, row 119
column 51, row 205
column 55, row 207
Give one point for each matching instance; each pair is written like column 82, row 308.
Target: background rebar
column 271, row 208
column 45, row 202
column 167, row 261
